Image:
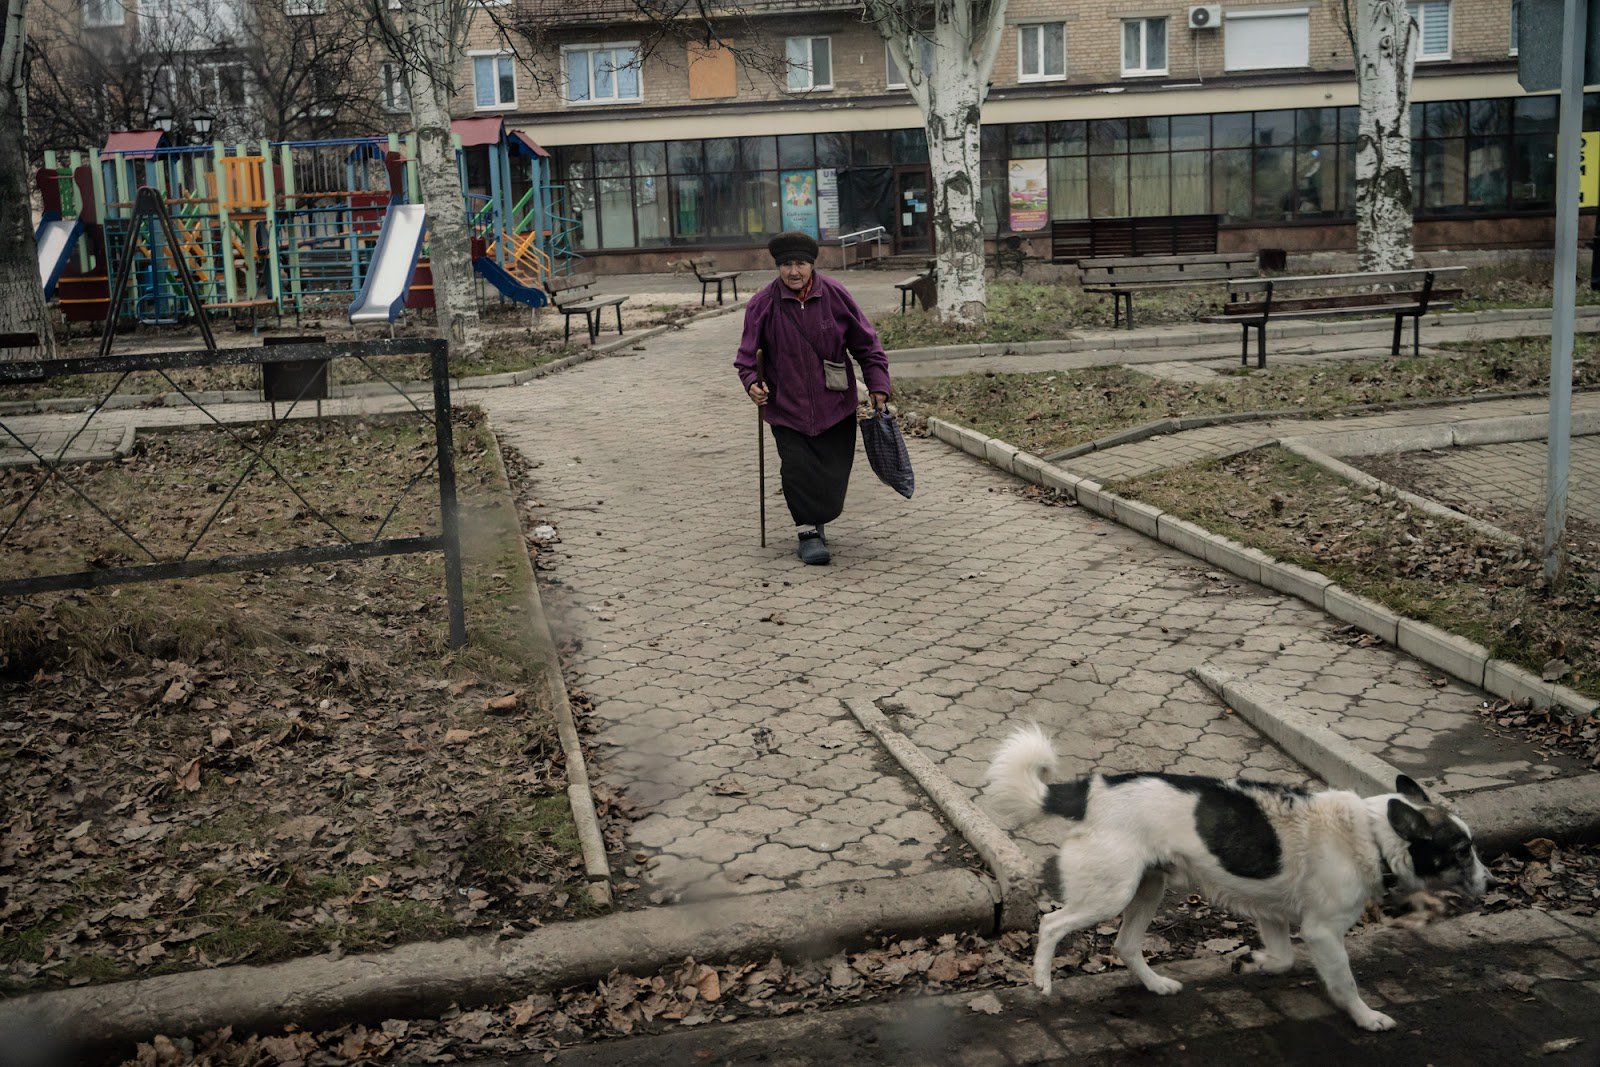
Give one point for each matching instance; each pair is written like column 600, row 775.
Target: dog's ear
column 1407, row 821
column 1410, row 790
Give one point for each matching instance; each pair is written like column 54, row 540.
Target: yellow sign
column 1589, row 171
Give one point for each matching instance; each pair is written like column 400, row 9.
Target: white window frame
column 592, row 50
column 890, row 67
column 810, row 67
column 305, row 7
column 1516, row 17
column 115, row 14
column 1230, row 18
column 1038, row 51
column 497, row 54
column 393, row 96
column 1143, row 71
column 1417, row 11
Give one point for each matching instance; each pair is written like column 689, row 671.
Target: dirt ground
column 248, row 767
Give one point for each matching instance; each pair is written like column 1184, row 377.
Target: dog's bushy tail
column 1015, row 780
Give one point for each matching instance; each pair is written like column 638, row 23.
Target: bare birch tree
column 426, row 40
column 22, row 307
column 950, row 91
column 1383, row 38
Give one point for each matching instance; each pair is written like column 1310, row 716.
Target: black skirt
column 816, row 470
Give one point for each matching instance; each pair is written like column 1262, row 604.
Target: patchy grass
column 1044, row 413
column 1518, row 281
column 257, row 766
column 1440, row 572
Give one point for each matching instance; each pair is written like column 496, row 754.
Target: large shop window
column 494, row 81
column 810, row 62
column 1144, row 46
column 1042, row 52
column 605, row 75
column 1266, row 40
column 1433, row 28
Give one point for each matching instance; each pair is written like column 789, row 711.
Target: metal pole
column 449, row 521
column 1569, row 148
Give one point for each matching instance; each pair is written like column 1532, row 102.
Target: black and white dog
column 1279, row 855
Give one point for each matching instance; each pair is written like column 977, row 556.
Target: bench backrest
column 1389, row 279
column 703, row 268
column 1077, row 239
column 1223, row 267
column 569, row 287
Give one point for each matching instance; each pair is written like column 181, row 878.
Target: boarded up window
column 711, row 72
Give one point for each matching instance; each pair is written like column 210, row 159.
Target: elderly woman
column 805, row 325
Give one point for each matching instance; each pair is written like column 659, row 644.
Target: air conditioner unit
column 1205, row 17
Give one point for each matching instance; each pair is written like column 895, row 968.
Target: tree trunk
column 449, row 244
column 966, row 37
column 1385, row 43
column 22, row 308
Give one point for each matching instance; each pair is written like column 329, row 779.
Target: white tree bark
column 427, row 41
column 1385, row 42
column 22, row 308
column 966, row 37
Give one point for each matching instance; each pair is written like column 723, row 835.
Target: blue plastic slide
column 56, row 237
column 497, row 276
column 383, row 293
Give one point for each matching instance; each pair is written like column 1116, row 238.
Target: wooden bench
column 1401, row 293
column 923, row 287
column 1122, row 276
column 252, row 306
column 1072, row 240
column 708, row 274
column 575, row 295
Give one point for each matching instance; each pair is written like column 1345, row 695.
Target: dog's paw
column 1373, row 1020
column 1261, row 963
column 1163, row 987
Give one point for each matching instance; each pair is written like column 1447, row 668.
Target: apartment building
column 1244, row 110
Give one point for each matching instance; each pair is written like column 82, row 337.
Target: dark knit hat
column 792, row 244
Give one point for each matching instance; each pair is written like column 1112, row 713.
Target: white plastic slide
column 56, row 238
column 383, row 294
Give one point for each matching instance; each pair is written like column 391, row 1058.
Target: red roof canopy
column 528, row 142
column 135, row 143
column 474, row 132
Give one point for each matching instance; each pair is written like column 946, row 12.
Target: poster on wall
column 1030, row 195
column 827, row 203
column 800, row 200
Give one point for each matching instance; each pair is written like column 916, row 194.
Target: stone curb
column 580, row 798
column 1567, row 810
column 77, row 404
column 1443, row 651
column 427, row 978
column 1288, row 330
column 1019, row 890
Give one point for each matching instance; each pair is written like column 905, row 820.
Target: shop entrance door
column 913, row 200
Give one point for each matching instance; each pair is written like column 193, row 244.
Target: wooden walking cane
column 761, row 452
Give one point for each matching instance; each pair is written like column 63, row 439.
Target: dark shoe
column 813, row 549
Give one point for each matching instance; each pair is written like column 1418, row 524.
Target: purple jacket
column 777, row 323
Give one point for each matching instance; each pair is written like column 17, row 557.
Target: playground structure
column 292, row 228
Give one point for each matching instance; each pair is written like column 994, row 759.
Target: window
column 604, row 74
column 1042, row 51
column 1266, row 40
column 810, row 63
column 102, row 12
column 494, row 81
column 894, row 77
column 1516, row 19
column 1433, row 28
column 1144, row 46
column 220, row 86
column 392, row 87
column 305, row 7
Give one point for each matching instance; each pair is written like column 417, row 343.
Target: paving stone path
column 718, row 668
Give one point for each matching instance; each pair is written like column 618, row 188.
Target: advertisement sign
column 827, row 203
column 799, row 200
column 1030, row 195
